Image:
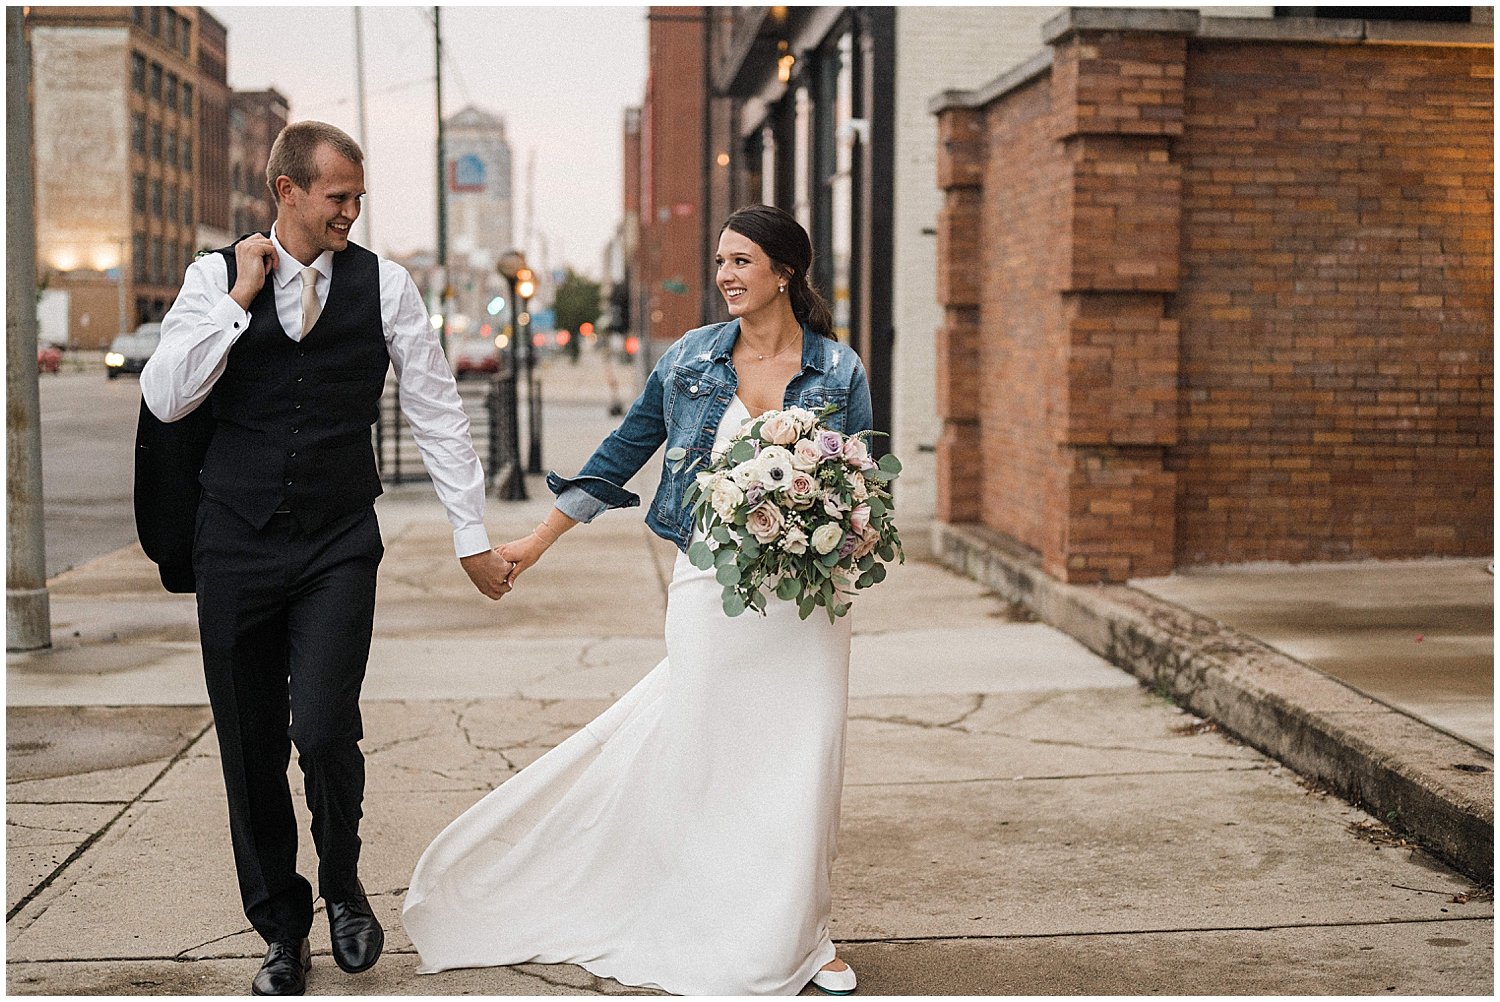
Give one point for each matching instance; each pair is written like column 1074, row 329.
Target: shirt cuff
column 469, row 540
column 231, row 319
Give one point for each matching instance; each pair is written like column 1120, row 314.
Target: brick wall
column 1214, row 299
column 1336, row 303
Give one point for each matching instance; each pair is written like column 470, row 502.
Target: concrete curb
column 1421, row 780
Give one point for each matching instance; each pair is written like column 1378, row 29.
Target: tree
column 576, row 303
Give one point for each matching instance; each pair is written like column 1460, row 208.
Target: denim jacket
column 684, row 400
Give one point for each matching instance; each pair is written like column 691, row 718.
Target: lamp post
column 510, row 266
column 525, row 289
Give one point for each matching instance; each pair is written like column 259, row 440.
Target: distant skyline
column 561, row 77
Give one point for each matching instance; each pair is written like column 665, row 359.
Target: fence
column 491, row 407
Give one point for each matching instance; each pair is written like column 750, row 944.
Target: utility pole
column 28, row 619
column 446, row 296
column 359, row 89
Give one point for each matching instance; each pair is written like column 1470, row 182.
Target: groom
column 285, row 339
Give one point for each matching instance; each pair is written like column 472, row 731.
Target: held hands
column 528, row 549
column 254, row 259
column 489, row 571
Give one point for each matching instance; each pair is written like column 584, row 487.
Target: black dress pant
column 285, row 617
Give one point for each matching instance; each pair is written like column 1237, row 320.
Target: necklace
column 779, row 351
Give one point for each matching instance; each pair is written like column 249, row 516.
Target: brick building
column 215, row 138
column 118, row 159
column 1220, row 290
column 256, row 118
column 668, row 266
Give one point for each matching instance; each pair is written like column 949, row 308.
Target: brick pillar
column 1118, row 104
column 960, row 173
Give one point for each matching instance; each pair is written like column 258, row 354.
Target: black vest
column 292, row 419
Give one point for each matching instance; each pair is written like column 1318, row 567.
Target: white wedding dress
column 684, row 839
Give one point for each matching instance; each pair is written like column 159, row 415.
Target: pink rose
column 868, row 540
column 859, row 518
column 802, row 489
column 779, row 429
column 805, row 455
column 857, row 454
column 765, row 522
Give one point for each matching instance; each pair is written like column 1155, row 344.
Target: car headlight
column 114, row 359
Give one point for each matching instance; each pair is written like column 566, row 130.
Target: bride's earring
column 781, row 288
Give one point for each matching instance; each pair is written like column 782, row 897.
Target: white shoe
column 835, row 982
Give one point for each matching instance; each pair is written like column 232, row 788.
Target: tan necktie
column 311, row 308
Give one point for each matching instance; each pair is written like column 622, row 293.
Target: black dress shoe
column 356, row 934
column 284, row 971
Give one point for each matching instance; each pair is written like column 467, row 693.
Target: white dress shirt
column 204, row 323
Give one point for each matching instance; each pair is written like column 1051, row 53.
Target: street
column 88, row 442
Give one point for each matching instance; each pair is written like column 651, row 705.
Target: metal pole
column 445, row 298
column 515, row 488
column 533, row 403
column 28, row 619
column 359, row 90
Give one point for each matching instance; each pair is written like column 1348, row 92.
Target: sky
column 561, row 77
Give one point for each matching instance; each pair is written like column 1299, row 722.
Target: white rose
column 827, row 537
column 725, row 496
column 804, row 419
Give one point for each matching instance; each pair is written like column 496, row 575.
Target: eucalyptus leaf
column 723, row 556
column 721, row 535
column 728, row 575
column 885, row 551
column 877, row 573
column 787, row 590
column 750, row 548
column 805, row 607
column 700, row 556
column 741, row 451
column 890, row 464
column 676, row 453
column 733, row 603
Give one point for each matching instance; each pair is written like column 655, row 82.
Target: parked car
column 128, row 352
column 48, row 358
column 474, row 357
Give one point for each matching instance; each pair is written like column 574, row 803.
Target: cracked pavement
column 1019, row 817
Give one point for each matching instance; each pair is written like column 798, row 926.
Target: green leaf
column 700, row 556
column 733, row 603
column 787, row 590
column 721, row 535
column 866, row 561
column 840, row 610
column 829, row 559
column 885, row 551
column 676, row 453
column 890, row 464
column 877, row 573
column 728, row 575
column 877, row 507
column 750, row 548
column 805, row 607
column 743, row 450
column 724, row 555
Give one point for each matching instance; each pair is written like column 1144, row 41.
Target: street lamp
column 525, row 289
column 510, row 266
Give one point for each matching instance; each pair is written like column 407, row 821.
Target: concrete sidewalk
column 1020, row 816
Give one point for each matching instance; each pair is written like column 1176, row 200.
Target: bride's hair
column 789, row 247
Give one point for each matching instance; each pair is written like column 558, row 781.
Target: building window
column 187, row 208
column 138, row 72
column 239, row 178
column 157, row 271
column 156, row 80
column 155, row 15
column 138, row 257
column 187, row 99
column 187, row 154
column 156, row 199
column 171, row 96
column 138, row 189
column 155, row 140
column 182, row 38
column 172, row 202
column 138, row 132
column 172, row 147
column 171, row 28
column 138, row 15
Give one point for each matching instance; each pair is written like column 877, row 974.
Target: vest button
column 298, row 407
column 299, row 379
column 296, row 430
column 291, row 455
column 289, row 483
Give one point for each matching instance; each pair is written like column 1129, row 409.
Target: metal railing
column 491, row 407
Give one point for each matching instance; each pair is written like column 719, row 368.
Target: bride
column 684, row 839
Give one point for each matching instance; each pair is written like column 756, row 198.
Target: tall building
column 480, row 211
column 213, row 133
column 256, row 118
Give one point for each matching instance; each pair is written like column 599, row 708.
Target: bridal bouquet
column 796, row 509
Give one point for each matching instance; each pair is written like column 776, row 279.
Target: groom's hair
column 295, row 149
